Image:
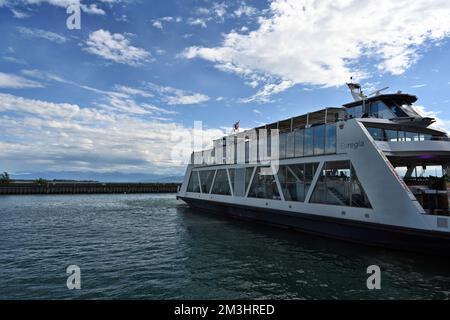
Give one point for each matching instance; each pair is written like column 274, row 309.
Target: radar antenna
column 378, row 92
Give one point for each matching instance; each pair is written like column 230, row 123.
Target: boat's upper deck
column 388, row 118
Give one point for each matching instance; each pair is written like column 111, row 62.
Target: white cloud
column 268, row 90
column 157, row 24
column 133, row 91
column 47, row 136
column 321, row 42
column 198, row 22
column 19, row 14
column 173, row 96
column 14, row 60
column 92, row 9
column 116, row 47
column 122, row 98
column 43, row 34
column 11, row 81
column 245, row 10
column 217, row 13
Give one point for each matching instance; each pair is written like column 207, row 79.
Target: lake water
column 155, row 247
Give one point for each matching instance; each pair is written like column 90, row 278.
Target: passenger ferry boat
column 372, row 172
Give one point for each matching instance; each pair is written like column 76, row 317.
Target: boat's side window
column 357, row 193
column 290, row 145
column 308, row 142
column 380, row 134
column 264, row 185
column 330, row 142
column 376, row 133
column 339, row 185
column 194, row 183
column 206, row 179
column 291, row 185
column 333, row 186
column 282, row 143
column 221, row 185
column 295, row 180
column 299, row 143
column 319, row 140
column 240, row 179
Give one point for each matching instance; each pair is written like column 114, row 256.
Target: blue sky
column 123, row 92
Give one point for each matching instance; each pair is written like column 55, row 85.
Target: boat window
column 247, row 150
column 194, row 183
column 357, row 195
column 290, row 144
column 330, row 142
column 221, row 185
column 391, row 135
column 355, row 112
column 309, row 142
column 282, row 142
column 264, row 185
column 398, row 111
column 299, row 143
column 289, row 183
column 338, row 184
column 380, row 134
column 333, row 186
column 376, row 133
column 240, row 179
column 380, row 110
column 206, row 179
column 411, row 136
column 409, row 110
column 319, row 140
column 295, row 182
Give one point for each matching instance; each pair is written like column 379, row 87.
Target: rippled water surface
column 155, row 247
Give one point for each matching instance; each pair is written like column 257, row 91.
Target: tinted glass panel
column 290, row 143
column 391, row 135
column 330, row 142
column 384, row 112
column 299, row 143
column 333, row 186
column 355, row 112
column 206, row 178
column 338, row 184
column 240, row 179
column 221, row 185
column 282, row 142
column 319, row 140
column 309, row 142
column 376, row 133
column 194, row 183
column 292, row 181
column 411, row 136
column 358, row 195
column 264, row 185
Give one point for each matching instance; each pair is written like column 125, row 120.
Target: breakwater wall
column 87, row 188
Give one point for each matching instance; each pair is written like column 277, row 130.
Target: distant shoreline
column 84, row 187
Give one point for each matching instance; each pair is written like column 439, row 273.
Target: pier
column 86, row 188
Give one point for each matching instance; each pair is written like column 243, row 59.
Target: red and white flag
column 236, row 126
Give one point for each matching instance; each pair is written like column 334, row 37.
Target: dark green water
column 154, row 247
